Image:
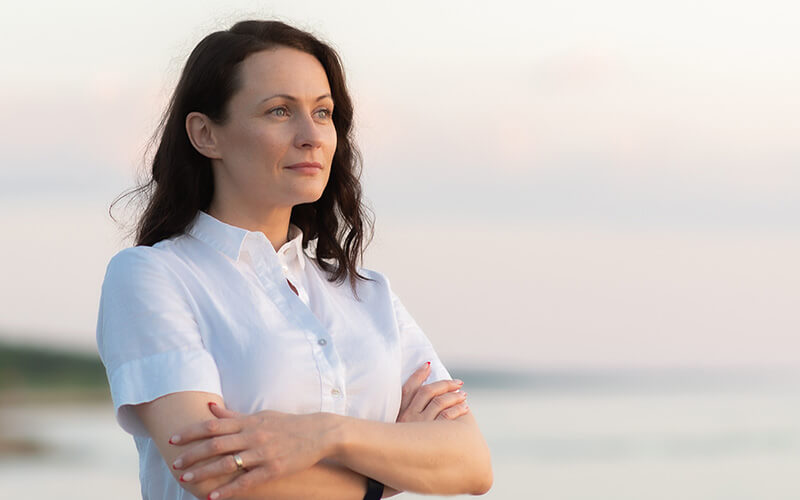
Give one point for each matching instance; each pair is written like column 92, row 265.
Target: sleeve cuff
column 146, row 379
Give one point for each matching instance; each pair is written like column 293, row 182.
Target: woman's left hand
column 271, row 444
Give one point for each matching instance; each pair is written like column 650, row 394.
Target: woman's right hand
column 440, row 400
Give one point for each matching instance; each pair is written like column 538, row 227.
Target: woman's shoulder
column 373, row 274
column 140, row 255
column 376, row 286
column 142, row 259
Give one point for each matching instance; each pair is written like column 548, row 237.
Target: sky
column 560, row 184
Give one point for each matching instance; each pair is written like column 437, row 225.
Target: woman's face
column 281, row 116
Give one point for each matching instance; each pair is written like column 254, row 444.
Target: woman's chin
column 307, row 197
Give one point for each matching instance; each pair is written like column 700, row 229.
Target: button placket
column 324, row 352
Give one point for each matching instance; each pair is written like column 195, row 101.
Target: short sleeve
column 147, row 334
column 415, row 346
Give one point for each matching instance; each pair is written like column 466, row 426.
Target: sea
column 613, row 435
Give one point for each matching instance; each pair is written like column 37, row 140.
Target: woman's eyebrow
column 292, row 98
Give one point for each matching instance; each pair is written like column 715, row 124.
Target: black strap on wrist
column 374, row 490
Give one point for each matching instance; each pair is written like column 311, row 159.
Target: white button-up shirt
column 211, row 310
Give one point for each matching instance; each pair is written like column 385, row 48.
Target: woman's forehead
column 283, row 71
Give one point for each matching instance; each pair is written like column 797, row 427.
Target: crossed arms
column 435, row 447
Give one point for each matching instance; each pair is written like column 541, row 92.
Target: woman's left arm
column 441, row 456
column 447, row 456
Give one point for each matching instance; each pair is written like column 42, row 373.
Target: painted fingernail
column 213, row 495
column 459, row 382
column 212, row 404
column 177, row 464
column 428, row 363
column 463, row 394
column 187, row 477
column 174, row 439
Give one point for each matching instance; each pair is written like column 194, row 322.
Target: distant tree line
column 27, row 367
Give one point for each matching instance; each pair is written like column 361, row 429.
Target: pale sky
column 570, row 183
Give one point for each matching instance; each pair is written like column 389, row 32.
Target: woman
column 235, row 350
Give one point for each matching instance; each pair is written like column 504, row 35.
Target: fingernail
column 213, row 496
column 212, row 404
column 187, row 477
column 174, row 439
column 459, row 382
column 463, row 394
column 177, row 464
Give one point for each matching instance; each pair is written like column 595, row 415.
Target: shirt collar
column 229, row 239
column 294, row 244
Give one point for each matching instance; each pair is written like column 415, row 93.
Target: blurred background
column 591, row 208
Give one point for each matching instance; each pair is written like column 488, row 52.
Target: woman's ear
column 201, row 135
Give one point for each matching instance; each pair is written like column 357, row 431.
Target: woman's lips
column 306, row 167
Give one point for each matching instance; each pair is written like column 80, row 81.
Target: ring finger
column 212, row 447
column 221, row 466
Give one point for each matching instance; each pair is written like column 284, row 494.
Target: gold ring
column 239, row 462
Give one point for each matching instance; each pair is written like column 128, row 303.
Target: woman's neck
column 273, row 223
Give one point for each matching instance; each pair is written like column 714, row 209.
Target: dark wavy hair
column 182, row 181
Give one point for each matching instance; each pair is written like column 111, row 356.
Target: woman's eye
column 281, row 112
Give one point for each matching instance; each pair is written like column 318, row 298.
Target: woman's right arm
column 168, row 415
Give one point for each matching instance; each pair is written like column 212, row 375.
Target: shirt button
column 322, row 341
column 336, row 392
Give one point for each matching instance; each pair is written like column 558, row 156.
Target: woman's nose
column 309, row 133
